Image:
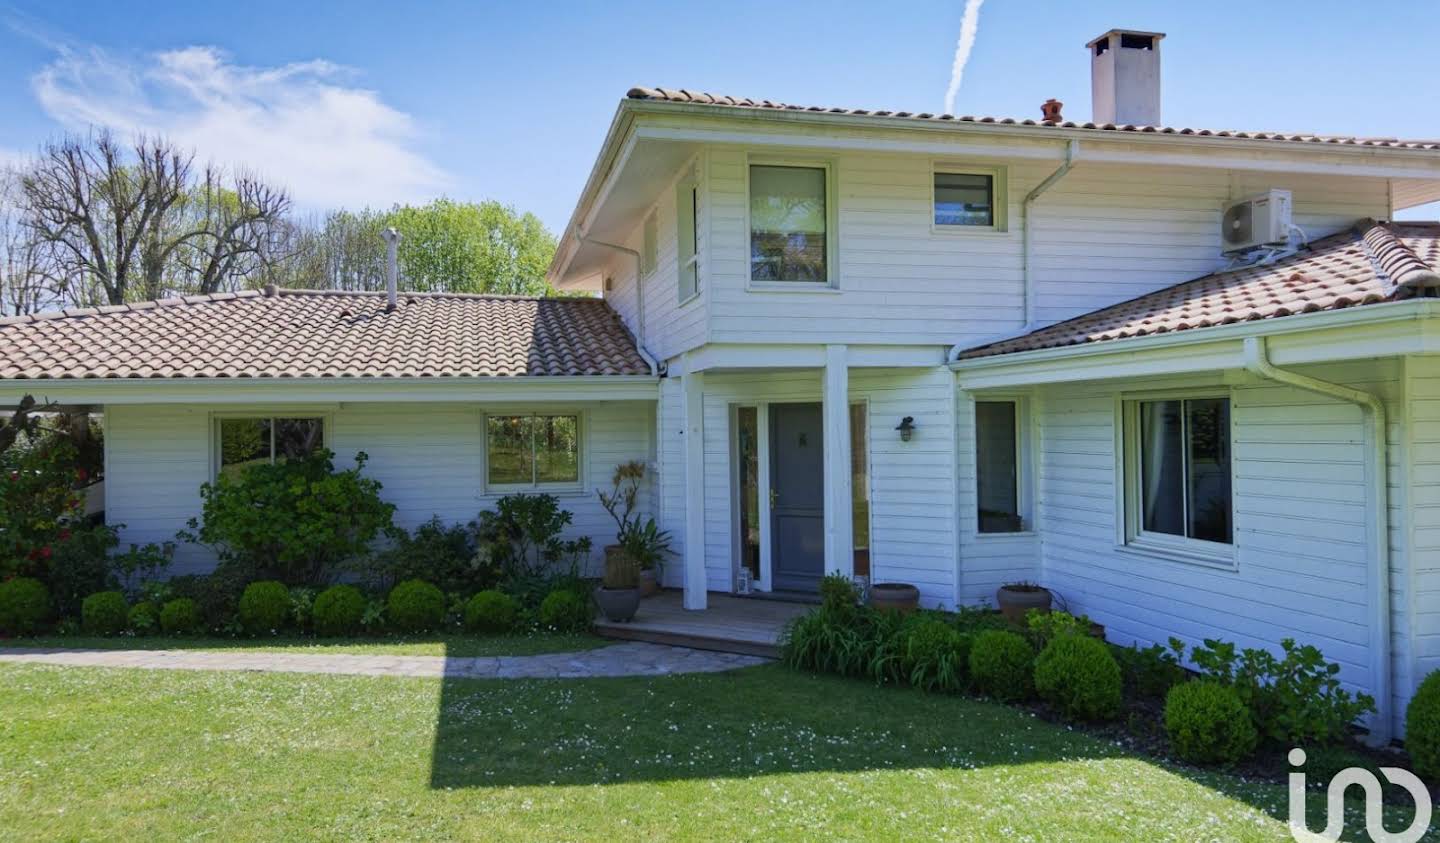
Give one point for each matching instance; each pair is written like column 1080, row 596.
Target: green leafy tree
column 462, row 247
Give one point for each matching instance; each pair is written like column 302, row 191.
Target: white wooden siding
column 428, row 458
column 1423, row 400
column 1300, row 511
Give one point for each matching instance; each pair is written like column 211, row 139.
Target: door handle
column 773, row 497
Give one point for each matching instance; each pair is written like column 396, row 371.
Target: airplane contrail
column 969, row 28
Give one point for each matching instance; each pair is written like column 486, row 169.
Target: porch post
column 839, row 538
column 694, row 387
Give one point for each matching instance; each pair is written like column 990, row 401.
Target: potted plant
column 632, row 535
column 897, row 596
column 618, row 595
column 1017, row 598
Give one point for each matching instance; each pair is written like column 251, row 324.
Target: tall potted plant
column 618, row 596
column 632, row 535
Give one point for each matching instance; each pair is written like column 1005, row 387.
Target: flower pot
column 617, row 604
column 1016, row 601
column 649, row 582
column 901, row 597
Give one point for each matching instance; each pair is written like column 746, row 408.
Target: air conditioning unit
column 1257, row 221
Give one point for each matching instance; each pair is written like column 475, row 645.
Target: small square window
column 965, row 199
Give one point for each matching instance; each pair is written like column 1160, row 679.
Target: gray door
column 797, row 512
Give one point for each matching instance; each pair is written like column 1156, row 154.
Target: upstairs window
column 1179, row 464
column 649, row 245
column 532, row 450
column 969, row 200
column 243, row 442
column 789, row 224
column 687, row 236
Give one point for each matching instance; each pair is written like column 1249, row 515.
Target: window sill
column 1018, row 534
column 968, row 230
column 692, row 297
column 1215, row 560
column 789, row 287
column 567, row 490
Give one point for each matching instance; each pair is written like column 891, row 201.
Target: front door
column 797, row 510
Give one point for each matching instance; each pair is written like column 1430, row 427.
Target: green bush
column 104, row 613
column 416, row 606
column 439, row 553
column 302, row 607
column 1151, row 672
column 264, row 607
column 1002, row 665
column 564, row 611
column 1208, row 723
column 522, row 540
column 180, row 616
column 936, row 656
column 1422, row 728
column 144, row 618
column 80, row 567
column 838, row 593
column 338, row 610
column 216, row 595
column 1044, row 627
column 491, row 611
column 24, row 605
column 1078, row 676
column 295, row 520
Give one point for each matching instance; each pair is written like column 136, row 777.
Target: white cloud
column 300, row 125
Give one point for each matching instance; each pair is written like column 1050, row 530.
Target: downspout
column 1257, row 362
column 639, row 300
column 1072, row 152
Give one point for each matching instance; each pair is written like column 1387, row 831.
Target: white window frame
column 581, row 432
column 688, row 189
column 1000, row 200
column 1133, row 537
column 649, row 244
column 1024, row 484
column 832, row 228
column 326, row 429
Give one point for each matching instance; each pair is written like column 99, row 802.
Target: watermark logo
column 1374, row 803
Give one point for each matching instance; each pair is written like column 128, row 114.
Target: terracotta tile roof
column 311, row 334
column 1375, row 262
column 702, row 98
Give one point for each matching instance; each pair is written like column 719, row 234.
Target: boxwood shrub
column 1208, row 724
column 264, row 607
column 491, row 611
column 1076, row 674
column 338, row 610
column 180, row 616
column 416, row 606
column 104, row 613
column 24, row 605
column 1002, row 664
column 144, row 618
column 564, row 611
column 1422, row 728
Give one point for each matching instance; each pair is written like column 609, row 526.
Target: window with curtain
column 1182, row 464
column 532, row 450
column 244, row 442
column 788, row 224
column 997, row 462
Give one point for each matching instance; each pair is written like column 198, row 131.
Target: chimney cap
column 1105, row 36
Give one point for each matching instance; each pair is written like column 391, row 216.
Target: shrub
column 935, row 656
column 216, row 595
column 41, row 471
column 1296, row 700
column 1151, row 672
column 1422, row 728
column 144, row 618
column 338, row 610
column 838, row 594
column 976, row 619
column 824, row 641
column 80, row 566
column 1002, row 665
column 491, row 611
column 416, row 606
column 302, row 607
column 1077, row 675
column 1208, row 723
column 104, row 613
column 521, row 539
column 437, row 553
column 180, row 616
column 294, row 520
column 24, row 605
column 264, row 607
column 1044, row 627
column 564, row 611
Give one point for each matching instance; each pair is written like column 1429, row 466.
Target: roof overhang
column 1377, row 330
column 528, row 390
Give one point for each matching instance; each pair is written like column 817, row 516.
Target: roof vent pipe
column 392, row 267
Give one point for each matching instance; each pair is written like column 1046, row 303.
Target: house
column 949, row 351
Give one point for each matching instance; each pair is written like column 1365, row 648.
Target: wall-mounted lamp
column 906, row 428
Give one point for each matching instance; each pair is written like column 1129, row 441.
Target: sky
column 369, row 104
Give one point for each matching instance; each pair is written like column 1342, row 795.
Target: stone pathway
column 631, row 659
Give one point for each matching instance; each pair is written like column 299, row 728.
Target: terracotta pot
column 1015, row 603
column 649, row 582
column 618, row 604
column 902, row 597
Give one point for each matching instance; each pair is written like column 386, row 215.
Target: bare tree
column 22, row 278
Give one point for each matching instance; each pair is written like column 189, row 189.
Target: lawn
column 428, row 645
column 762, row 754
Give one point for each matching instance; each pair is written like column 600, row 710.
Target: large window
column 789, row 224
column 532, row 450
column 969, row 200
column 997, row 462
column 1180, row 464
column 243, row 442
